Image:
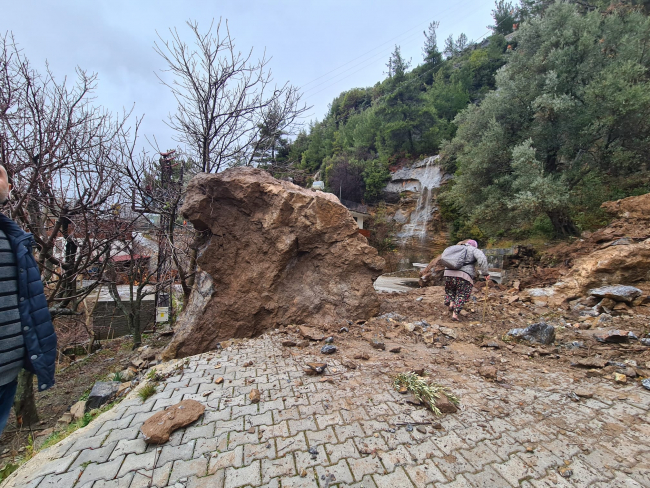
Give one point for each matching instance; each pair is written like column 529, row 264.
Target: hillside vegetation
column 539, row 123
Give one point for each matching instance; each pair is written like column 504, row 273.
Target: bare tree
column 225, row 99
column 59, row 150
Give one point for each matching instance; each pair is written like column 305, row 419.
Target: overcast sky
column 324, row 46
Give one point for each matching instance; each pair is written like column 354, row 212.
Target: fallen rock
column 449, row 332
column 157, row 428
column 541, row 333
column 378, row 345
column 219, row 380
column 349, row 364
column 317, row 367
column 620, row 378
column 311, row 333
column 362, row 355
column 488, row 372
column 582, row 393
column 395, row 349
column 288, row 343
column 616, row 336
column 645, row 341
column 328, row 349
column 65, row 420
column 591, row 362
column 128, row 374
column 123, row 389
column 255, row 395
column 102, row 393
column 617, row 293
column 274, row 254
column 78, row 410
column 646, row 383
column 444, row 405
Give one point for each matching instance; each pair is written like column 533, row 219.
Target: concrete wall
column 110, row 322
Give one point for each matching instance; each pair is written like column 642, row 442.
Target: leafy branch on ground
column 424, row 390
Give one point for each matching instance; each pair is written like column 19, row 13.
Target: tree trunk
column 24, row 402
column 563, row 225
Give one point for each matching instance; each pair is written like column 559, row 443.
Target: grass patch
column 147, row 391
column 117, row 376
column 424, row 390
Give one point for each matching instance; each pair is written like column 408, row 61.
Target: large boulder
column 618, row 293
column 274, row 253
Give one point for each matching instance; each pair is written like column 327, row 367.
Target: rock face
column 157, row 428
column 274, row 253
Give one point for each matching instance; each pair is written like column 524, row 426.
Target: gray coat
column 480, row 262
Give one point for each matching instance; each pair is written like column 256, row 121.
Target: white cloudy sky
column 324, row 46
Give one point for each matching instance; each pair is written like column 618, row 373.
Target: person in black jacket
column 27, row 337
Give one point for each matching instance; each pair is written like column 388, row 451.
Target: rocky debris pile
column 273, row 253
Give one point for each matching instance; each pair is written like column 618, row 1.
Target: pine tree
column 430, row 50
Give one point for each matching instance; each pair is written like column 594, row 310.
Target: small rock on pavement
column 444, row 405
column 565, row 472
column 288, row 343
column 583, row 393
column 157, row 428
column 78, row 409
column 362, row 355
column 317, row 367
column 102, row 393
column 328, row 349
column 219, row 380
column 395, row 349
column 419, row 299
column 620, row 378
column 255, row 395
column 488, row 372
column 329, row 340
column 349, row 364
column 540, row 332
column 592, row 362
column 421, row 429
column 645, row 341
column 646, row 383
column 378, row 345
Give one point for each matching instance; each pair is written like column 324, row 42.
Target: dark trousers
column 7, row 393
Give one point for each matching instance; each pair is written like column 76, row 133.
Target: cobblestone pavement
column 502, row 437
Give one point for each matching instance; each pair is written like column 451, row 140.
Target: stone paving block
column 240, row 438
column 109, row 425
column 321, row 437
column 480, row 455
column 301, row 425
column 259, row 419
column 459, row 482
column 487, row 478
column 340, row 470
column 105, row 471
column 367, row 444
column 88, row 442
column 345, row 450
column 206, row 447
column 58, row 480
column 248, row 475
column 127, row 434
column 423, row 473
column 273, row 468
column 348, row 431
column 56, row 466
column 124, row 482
column 133, row 462
column 273, row 405
column 99, row 455
column 244, row 410
column 211, row 481
column 396, row 478
column 450, row 442
column 228, row 426
column 290, row 444
column 262, row 450
column 514, row 470
column 504, row 446
column 149, row 479
column 452, row 465
column 197, row 431
column 312, row 409
column 217, row 415
column 366, row 482
column 309, row 481
column 184, row 469
column 365, row 465
column 396, row 457
column 175, row 453
column 232, row 458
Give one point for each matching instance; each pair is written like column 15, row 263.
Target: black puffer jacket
column 38, row 331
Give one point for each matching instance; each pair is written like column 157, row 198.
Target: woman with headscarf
column 459, row 282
